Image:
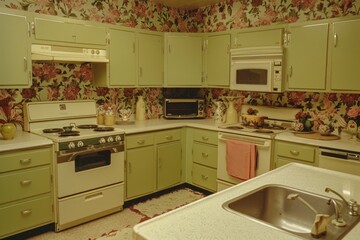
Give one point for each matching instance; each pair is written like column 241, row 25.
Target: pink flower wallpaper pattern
column 54, row 81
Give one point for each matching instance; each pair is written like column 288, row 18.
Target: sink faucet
column 353, row 207
column 338, row 220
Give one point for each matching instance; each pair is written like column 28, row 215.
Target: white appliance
column 68, row 54
column 257, row 69
column 89, row 160
column 342, row 161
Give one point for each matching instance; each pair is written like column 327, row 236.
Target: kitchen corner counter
column 342, row 144
column 207, row 219
column 23, row 140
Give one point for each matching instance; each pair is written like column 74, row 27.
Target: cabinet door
column 169, row 164
column 59, row 31
column 258, row 38
column 306, row 56
column 218, row 60
column 15, row 67
column 151, row 60
column 184, row 61
column 122, row 58
column 140, row 172
column 345, row 59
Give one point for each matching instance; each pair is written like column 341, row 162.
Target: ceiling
column 187, row 4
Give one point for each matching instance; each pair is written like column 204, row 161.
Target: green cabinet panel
column 205, row 154
column 306, row 56
column 204, row 177
column 140, row 171
column 60, row 31
column 151, row 60
column 183, row 60
column 15, row 67
column 345, row 57
column 218, row 60
column 271, row 37
column 122, row 58
column 169, row 164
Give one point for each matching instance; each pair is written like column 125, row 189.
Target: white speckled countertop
column 206, row 219
column 23, row 140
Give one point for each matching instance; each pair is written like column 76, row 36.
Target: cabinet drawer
column 205, row 154
column 25, row 183
column 295, row 151
column 139, row 140
column 204, row 176
column 168, row 136
column 25, row 215
column 205, row 136
column 25, row 159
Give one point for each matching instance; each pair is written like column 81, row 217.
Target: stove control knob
column 110, row 139
column 102, row 140
column 71, row 145
column 80, row 144
column 118, row 138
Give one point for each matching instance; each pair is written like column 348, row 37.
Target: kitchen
column 75, row 82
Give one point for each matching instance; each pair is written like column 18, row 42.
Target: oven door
column 251, row 75
column 89, row 169
column 263, row 151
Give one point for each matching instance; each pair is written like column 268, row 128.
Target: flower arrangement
column 303, row 121
column 353, row 114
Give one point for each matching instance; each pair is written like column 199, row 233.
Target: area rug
column 118, row 226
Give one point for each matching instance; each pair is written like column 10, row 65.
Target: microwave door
column 251, row 76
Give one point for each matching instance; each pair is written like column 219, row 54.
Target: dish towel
column 240, row 159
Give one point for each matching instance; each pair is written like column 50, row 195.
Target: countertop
column 206, row 219
column 23, row 140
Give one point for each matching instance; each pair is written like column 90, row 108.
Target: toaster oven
column 184, row 108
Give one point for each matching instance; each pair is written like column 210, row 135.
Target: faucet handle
column 353, row 207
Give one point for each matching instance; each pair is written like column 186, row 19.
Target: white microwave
column 257, row 69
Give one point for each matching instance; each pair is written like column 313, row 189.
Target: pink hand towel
column 240, row 159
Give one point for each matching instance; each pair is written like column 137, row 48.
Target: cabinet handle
column 169, row 137
column 25, row 64
column 141, row 142
column 94, row 196
column 169, row 48
column 204, row 177
column 129, row 167
column 335, row 39
column 140, row 71
column 205, row 155
column 290, row 71
column 25, row 182
column 26, row 212
column 205, row 138
column 160, row 163
column 25, row 161
column 294, row 152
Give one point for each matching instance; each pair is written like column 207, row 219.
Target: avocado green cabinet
column 306, row 56
column 151, row 60
column 256, row 38
column 26, row 190
column 345, row 55
column 217, row 60
column 183, row 60
column 15, row 67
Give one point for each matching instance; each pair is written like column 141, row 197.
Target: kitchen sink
column 270, row 205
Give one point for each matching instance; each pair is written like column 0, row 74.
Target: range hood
column 68, row 54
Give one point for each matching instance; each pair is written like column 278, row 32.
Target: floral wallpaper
column 54, row 81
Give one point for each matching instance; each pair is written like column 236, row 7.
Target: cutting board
column 318, row 136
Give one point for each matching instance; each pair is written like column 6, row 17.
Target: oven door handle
column 258, row 143
column 64, row 156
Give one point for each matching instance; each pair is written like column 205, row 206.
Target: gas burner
column 53, row 130
column 234, row 127
column 69, row 134
column 262, row 130
column 104, row 129
column 87, row 126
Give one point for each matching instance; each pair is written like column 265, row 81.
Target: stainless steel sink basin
column 269, row 205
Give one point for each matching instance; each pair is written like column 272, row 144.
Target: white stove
column 89, row 159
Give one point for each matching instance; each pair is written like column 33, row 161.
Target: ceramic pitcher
column 140, row 109
column 8, row 130
column 219, row 113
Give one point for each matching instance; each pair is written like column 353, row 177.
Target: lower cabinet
column 204, row 159
column 153, row 162
column 25, row 190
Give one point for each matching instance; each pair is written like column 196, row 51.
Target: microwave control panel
column 277, row 78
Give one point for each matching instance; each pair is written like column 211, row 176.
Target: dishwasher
column 338, row 160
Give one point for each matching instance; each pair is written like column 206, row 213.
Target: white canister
column 140, row 109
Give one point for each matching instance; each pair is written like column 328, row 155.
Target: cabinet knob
column 204, row 177
column 205, row 138
column 169, row 137
column 25, row 182
column 205, row 155
column 26, row 212
column 141, row 142
column 25, row 161
column 294, row 152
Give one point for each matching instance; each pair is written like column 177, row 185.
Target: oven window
column 92, row 160
column 182, row 108
column 252, row 76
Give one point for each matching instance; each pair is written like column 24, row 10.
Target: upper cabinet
column 15, row 67
column 306, row 56
column 217, row 60
column 345, row 55
column 68, row 32
column 255, row 38
column 183, row 60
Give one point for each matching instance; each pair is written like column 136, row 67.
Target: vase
column 8, row 130
column 219, row 113
column 140, row 109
